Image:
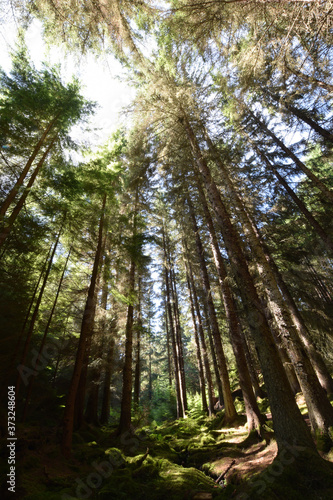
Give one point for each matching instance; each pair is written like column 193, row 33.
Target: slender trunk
column 12, row 194
column 86, row 329
column 13, row 216
column 180, row 407
column 258, row 391
column 310, row 79
column 105, row 411
column 307, row 214
column 11, row 366
column 47, row 327
column 289, row 425
column 207, row 370
column 320, row 409
column 198, row 350
column 137, row 371
column 212, row 348
column 35, row 314
column 302, row 115
column 125, row 423
column 230, row 411
column 316, row 181
column 178, row 332
column 168, row 344
column 254, row 417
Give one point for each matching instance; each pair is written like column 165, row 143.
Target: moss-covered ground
column 194, row 458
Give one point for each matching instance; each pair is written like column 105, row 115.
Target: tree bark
column 46, row 330
column 230, row 411
column 12, row 194
column 198, row 350
column 289, row 425
column 13, row 216
column 307, row 214
column 302, row 115
column 35, row 313
column 320, row 409
column 179, row 399
column 254, row 417
column 86, row 330
column 137, row 371
column 316, row 181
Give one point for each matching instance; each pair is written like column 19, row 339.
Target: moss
column 323, row 441
column 115, row 456
column 302, row 477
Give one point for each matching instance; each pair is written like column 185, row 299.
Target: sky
column 99, row 77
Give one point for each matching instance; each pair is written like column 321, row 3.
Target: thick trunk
column 229, row 406
column 316, row 358
column 289, row 425
column 86, row 329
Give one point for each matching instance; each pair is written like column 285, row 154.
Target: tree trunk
column 307, row 214
column 13, row 216
column 11, row 366
column 105, row 411
column 316, row 181
column 86, row 329
column 180, row 405
column 230, row 411
column 289, row 425
column 35, row 314
column 168, row 344
column 178, row 332
column 12, row 194
column 125, row 422
column 302, row 115
column 316, row 358
column 254, row 417
column 198, row 350
column 46, row 330
column 137, row 371
column 320, row 409
column 310, row 79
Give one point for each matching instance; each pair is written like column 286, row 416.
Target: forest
column 166, row 296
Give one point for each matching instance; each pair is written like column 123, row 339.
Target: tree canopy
column 179, row 275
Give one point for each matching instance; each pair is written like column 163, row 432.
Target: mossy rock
column 115, row 456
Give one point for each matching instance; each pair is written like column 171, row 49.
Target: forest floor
column 191, row 459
